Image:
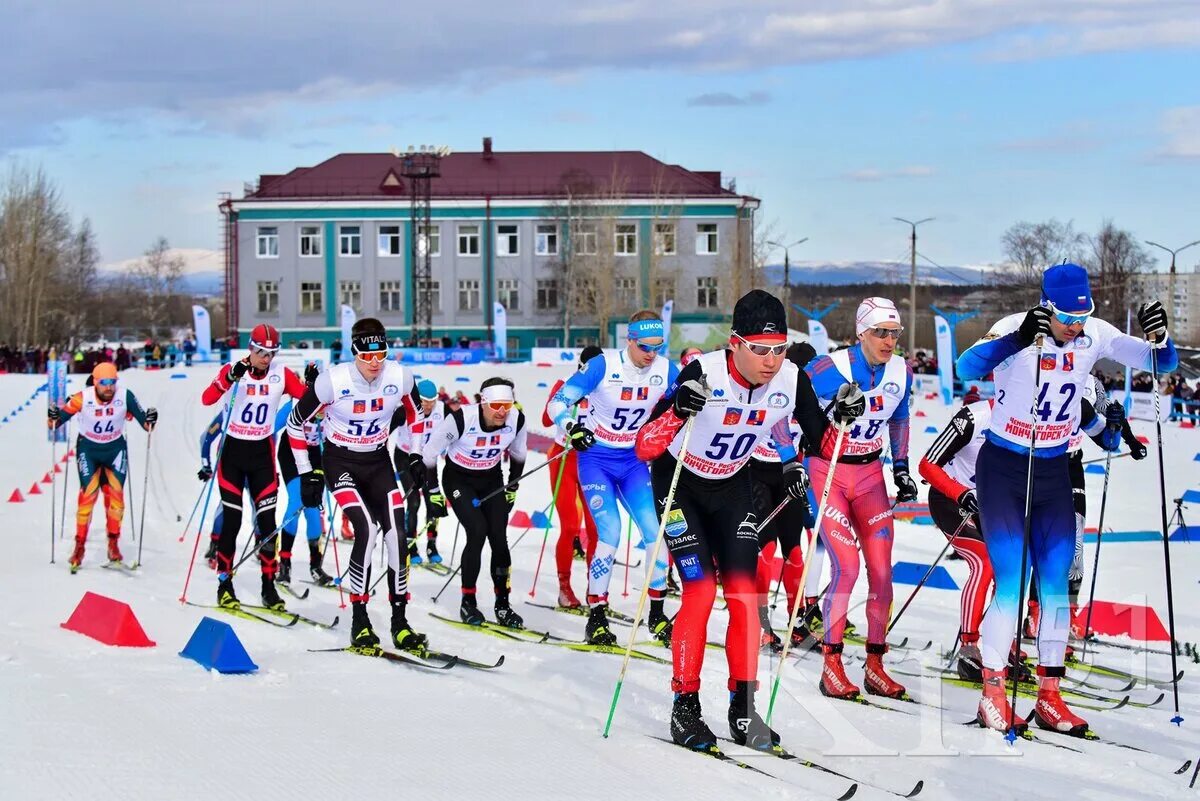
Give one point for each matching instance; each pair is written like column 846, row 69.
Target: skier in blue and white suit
column 622, row 387
column 1073, row 342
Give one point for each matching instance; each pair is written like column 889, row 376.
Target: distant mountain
column 203, row 271
column 871, row 272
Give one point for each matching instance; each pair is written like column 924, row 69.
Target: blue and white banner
column 818, row 337
column 348, row 320
column 203, row 328
column 945, row 357
column 56, row 393
column 445, row 355
column 555, row 355
column 500, row 331
column 667, row 309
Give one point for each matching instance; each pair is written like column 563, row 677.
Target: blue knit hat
column 426, row 389
column 1065, row 286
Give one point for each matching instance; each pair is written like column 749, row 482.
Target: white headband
column 497, row 393
column 873, row 312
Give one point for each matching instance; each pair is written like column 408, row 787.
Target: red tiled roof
column 498, row 175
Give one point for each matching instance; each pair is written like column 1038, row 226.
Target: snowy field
column 88, row 721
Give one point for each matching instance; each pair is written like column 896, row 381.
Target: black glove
column 510, row 497
column 1114, row 417
column 849, row 404
column 1153, row 320
column 53, row 414
column 796, row 485
column 437, row 502
column 416, row 470
column 1037, row 321
column 690, row 398
column 310, row 373
column 968, row 503
column 151, row 417
column 312, row 488
column 238, row 369
column 1136, row 449
column 906, row 488
column 579, row 437
column 205, row 473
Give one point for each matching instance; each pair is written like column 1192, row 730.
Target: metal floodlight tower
column 1171, row 278
column 419, row 169
column 912, row 286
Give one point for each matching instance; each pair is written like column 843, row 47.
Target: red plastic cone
column 520, row 519
column 57, row 468
column 16, row 497
column 46, row 478
column 107, row 620
column 35, row 489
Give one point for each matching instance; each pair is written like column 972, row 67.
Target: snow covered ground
column 88, row 721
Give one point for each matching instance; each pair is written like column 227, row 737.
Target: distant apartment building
column 570, row 243
column 1185, row 329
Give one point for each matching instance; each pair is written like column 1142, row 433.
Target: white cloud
column 195, row 260
column 871, row 174
column 1181, row 128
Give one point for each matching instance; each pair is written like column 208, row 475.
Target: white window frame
column 546, row 242
column 708, row 241
column 707, row 286
column 266, row 242
column 314, row 293
column 390, row 290
column 468, row 232
column 310, row 242
column 625, row 239
column 509, row 290
column 268, row 290
column 586, row 234
column 546, row 287
column 434, row 288
column 385, row 237
column 508, row 239
column 665, row 234
column 350, row 235
column 470, row 287
column 664, row 290
column 430, row 238
column 625, row 290
column 350, row 287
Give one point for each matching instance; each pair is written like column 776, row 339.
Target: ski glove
column 238, row 369
column 310, row 373
column 205, row 473
column 849, row 404
column 1136, row 449
column 510, row 496
column 1153, row 320
column 151, row 417
column 437, row 503
column 53, row 414
column 690, row 398
column 312, row 488
column 416, row 470
column 579, row 437
column 968, row 504
column 1037, row 321
column 906, row 488
column 796, row 485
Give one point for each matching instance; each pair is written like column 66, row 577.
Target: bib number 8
column 719, row 448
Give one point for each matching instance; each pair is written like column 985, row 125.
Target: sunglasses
column 499, row 406
column 763, row 350
column 885, row 333
column 107, row 382
column 375, row 356
column 1068, row 318
column 257, row 351
column 647, row 348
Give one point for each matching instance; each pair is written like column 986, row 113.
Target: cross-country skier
column 474, row 440
column 314, row 520
column 858, row 514
column 363, row 401
column 101, row 452
column 410, row 441
column 575, row 520
column 211, row 434
column 248, row 455
column 735, row 398
column 622, row 387
column 1073, row 341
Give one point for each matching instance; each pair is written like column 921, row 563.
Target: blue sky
column 839, row 114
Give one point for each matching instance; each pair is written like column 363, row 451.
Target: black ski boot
column 468, row 611
column 658, row 622
column 431, row 551
column 803, row 639
column 769, row 638
column 403, row 636
column 596, row 630
column 505, row 615
column 315, row 558
column 225, row 595
column 970, row 662
column 270, row 596
column 672, row 584
column 578, row 547
column 687, row 723
column 361, row 634
column 746, row 727
column 283, row 573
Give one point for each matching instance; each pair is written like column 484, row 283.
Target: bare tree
column 157, row 275
column 77, row 291
column 1116, row 257
column 1029, row 248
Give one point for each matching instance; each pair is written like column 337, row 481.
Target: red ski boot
column 76, row 556
column 834, row 683
column 114, row 552
column 994, row 711
column 566, row 596
column 1051, row 711
column 876, row 679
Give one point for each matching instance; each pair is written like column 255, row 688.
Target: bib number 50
column 724, row 445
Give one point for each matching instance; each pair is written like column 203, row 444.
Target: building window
column 350, row 240
column 546, row 342
column 310, row 240
column 310, row 297
column 547, row 240
column 268, row 297
column 627, row 293
column 583, row 342
column 468, row 241
column 389, row 240
column 706, row 292
column 547, row 293
column 429, row 241
column 351, row 293
column 664, row 290
column 625, row 239
column 431, row 290
column 508, row 294
column 706, row 239
column 585, row 241
column 664, row 239
column 468, row 292
column 389, row 296
column 508, row 240
column 267, row 243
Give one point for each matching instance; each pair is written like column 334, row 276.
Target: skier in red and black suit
column 248, row 455
column 736, row 398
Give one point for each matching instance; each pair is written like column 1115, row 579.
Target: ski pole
column 774, row 513
column 195, row 506
column 477, row 502
column 1162, row 488
column 337, row 567
column 145, row 484
column 1025, row 537
column 1107, row 457
column 208, row 494
column 688, row 427
column 267, row 540
column 965, row 519
column 1087, row 626
column 562, row 467
column 62, row 514
column 53, row 487
column 447, row 584
column 628, row 554
column 132, row 501
column 454, row 545
column 525, row 531
column 787, row 641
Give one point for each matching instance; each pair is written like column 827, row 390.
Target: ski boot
column 769, row 638
column 505, row 616
column 468, row 610
column 226, row 598
column 810, row 615
column 283, row 573
column 834, row 683
column 270, row 596
column 1017, row 669
column 210, row 555
column 1051, row 712
column 1078, row 621
column 578, row 548
column 687, row 723
column 970, row 661
column 315, row 559
column 596, row 630
column 76, row 556
column 414, row 553
column 804, row 639
column 431, row 551
column 566, row 597
column 746, row 727
column 114, row 552
column 994, row 711
column 876, row 679
column 658, row 622
column 672, row 584
column 362, row 636
column 403, row 637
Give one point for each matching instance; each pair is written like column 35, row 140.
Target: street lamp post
column 787, row 267
column 912, row 285
column 1171, row 275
